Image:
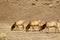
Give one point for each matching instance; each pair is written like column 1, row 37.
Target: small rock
column 36, row 0
column 50, row 5
column 33, row 3
column 3, row 36
column 47, row 3
column 57, row 1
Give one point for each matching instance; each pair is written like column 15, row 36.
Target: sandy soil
column 30, row 35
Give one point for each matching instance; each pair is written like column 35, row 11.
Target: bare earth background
column 13, row 10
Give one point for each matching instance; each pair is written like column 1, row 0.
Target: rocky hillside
column 13, row 10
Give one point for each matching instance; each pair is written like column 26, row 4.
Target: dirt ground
column 14, row 10
column 30, row 35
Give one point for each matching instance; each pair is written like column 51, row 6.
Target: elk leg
column 23, row 27
column 56, row 28
column 48, row 29
column 17, row 26
column 39, row 27
column 33, row 28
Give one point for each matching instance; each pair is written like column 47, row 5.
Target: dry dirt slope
column 13, row 10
